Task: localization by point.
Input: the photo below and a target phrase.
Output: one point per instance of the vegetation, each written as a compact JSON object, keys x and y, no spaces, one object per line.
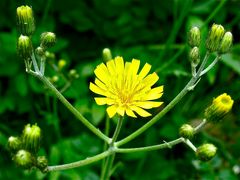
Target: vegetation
{"x":156,"y":33}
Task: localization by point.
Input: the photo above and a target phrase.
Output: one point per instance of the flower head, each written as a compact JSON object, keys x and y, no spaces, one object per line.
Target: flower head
{"x":124,"y":90}
{"x":206,"y":152}
{"x":219,"y":108}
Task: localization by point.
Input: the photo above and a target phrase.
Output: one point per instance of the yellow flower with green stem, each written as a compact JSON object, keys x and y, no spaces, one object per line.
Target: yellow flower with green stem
{"x":124,"y":90}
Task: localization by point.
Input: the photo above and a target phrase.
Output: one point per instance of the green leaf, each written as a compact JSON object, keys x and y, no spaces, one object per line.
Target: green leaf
{"x":232,"y":61}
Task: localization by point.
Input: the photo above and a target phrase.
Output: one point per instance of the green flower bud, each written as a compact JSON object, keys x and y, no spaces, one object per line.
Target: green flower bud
{"x":107,"y":55}
{"x":14,"y":143}
{"x":42,"y":163}
{"x":194,"y":56}
{"x":214,"y":37}
{"x":194,"y":37}
{"x":73,"y":74}
{"x":61,"y":64}
{"x":31,"y":138}
{"x":206,"y":152}
{"x":24,"y":47}
{"x":226,"y":43}
{"x":24,"y":159}
{"x":48,"y":39}
{"x":186,"y":131}
{"x":39,"y":51}
{"x":25,"y":20}
{"x":54,"y":79}
{"x":219,"y":108}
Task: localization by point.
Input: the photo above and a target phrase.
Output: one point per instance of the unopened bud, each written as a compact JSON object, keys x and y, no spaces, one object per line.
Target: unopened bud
{"x":24,"y":47}
{"x":226,"y":43}
{"x":206,"y":152}
{"x":50,"y":56}
{"x":214,"y":37}
{"x":61,"y":64}
{"x":194,"y":56}
{"x":219,"y":108}
{"x":107,"y":55}
{"x":54,"y":79}
{"x":73,"y":74}
{"x":194,"y":37}
{"x":14,"y":143}
{"x":31,"y":138}
{"x":24,"y":159}
{"x":48,"y":39}
{"x":42,"y":163}
{"x":39,"y":51}
{"x":25,"y":20}
{"x":186,"y":131}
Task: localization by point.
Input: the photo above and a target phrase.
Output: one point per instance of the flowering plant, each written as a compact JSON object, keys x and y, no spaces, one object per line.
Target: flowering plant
{"x":126,"y":89}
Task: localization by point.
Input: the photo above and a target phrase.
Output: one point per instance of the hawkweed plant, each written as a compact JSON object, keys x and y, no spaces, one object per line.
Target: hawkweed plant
{"x":125,"y":88}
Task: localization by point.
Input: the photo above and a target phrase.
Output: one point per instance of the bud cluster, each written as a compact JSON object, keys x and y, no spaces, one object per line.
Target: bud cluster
{"x":218,"y":40}
{"x":24,"y":148}
{"x":26,"y":28}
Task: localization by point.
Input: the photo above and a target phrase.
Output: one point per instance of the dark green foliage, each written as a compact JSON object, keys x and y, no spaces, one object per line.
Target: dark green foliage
{"x":152,"y":31}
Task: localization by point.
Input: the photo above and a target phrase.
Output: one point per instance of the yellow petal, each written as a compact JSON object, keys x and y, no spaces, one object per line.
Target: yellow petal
{"x":100,"y":84}
{"x":145,"y":70}
{"x":151,"y":79}
{"x":111,"y":110}
{"x":97,"y":89}
{"x":102,"y":73}
{"x":103,"y":101}
{"x":152,"y":96}
{"x":158,"y":89}
{"x":140,"y":111}
{"x":119,"y":63}
{"x":134,"y":66}
{"x":129,"y":112}
{"x":148,"y":104}
{"x":111,"y":67}
{"x":120,"y":110}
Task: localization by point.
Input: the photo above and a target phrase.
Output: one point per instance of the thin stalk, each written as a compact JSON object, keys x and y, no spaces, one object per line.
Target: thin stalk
{"x":211,"y":65}
{"x":34,"y":61}
{"x":79,"y":163}
{"x":190,"y":85}
{"x":107,"y":129}
{"x":42,"y":66}
{"x":117,"y":130}
{"x":190,"y":144}
{"x":73,"y":110}
{"x":150,"y":148}
{"x":105,"y":175}
{"x":198,"y":128}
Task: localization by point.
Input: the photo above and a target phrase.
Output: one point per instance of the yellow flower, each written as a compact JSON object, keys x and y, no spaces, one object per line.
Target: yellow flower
{"x":125,"y":91}
{"x":219,"y":108}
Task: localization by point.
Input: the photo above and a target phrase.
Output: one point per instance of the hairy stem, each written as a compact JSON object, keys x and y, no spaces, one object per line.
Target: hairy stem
{"x":105,"y":175}
{"x":79,"y":163}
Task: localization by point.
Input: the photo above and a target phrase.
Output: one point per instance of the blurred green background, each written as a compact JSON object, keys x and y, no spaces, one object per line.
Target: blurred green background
{"x":153,"y":31}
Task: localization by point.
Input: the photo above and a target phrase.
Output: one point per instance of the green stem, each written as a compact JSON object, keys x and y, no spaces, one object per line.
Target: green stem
{"x":190,"y":85}
{"x":105,"y":175}
{"x":210,"y":66}
{"x":150,"y":148}
{"x":117,"y":130}
{"x":199,"y":127}
{"x":73,"y":110}
{"x":79,"y":163}
{"x":190,"y":144}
